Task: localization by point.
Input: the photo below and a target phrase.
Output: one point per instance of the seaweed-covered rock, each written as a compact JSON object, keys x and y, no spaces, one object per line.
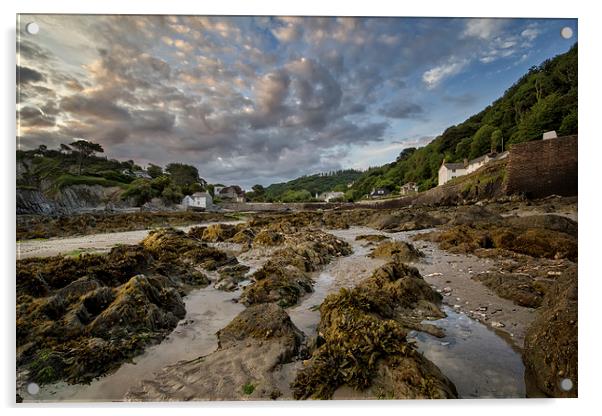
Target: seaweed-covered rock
{"x":267,"y":238}
{"x":277,"y":282}
{"x":364,"y":341}
{"x":149,"y":303}
{"x":550,"y":352}
{"x":219,"y":232}
{"x":251,"y":348}
{"x":284,"y":278}
{"x":549,"y":222}
{"x":471,"y":214}
{"x":521,"y":289}
{"x":535,"y":242}
{"x":372,"y":238}
{"x":127,"y":298}
{"x":405,"y":252}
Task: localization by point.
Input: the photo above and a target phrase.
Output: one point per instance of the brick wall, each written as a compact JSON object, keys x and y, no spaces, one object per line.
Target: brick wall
{"x":543,"y":167}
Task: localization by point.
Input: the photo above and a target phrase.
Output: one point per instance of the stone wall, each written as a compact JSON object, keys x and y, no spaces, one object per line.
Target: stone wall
{"x":543,"y":167}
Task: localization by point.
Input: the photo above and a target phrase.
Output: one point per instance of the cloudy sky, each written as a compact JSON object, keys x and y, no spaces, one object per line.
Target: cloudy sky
{"x":265,"y":99}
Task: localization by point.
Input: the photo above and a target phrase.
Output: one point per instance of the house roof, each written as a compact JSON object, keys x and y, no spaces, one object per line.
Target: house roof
{"x":477,"y":160}
{"x":235,"y":188}
{"x":454,"y":165}
{"x":200,"y":194}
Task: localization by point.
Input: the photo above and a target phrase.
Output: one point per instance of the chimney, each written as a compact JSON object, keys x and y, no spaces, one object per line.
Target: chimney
{"x":465,"y":162}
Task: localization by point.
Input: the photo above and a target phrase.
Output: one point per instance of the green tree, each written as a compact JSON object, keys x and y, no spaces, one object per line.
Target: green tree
{"x":183,"y":175}
{"x":569,"y":124}
{"x":481,"y":142}
{"x":172,"y":194}
{"x":84,"y":150}
{"x":463,"y":148}
{"x":140,"y":191}
{"x":496,"y":141}
{"x":154,"y":171}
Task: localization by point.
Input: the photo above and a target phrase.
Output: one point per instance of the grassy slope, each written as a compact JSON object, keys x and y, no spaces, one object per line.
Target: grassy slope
{"x":543,"y":99}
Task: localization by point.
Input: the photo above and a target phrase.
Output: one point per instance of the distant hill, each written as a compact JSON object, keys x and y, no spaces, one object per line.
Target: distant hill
{"x":306,"y":187}
{"x":543,"y":99}
{"x":50,"y":171}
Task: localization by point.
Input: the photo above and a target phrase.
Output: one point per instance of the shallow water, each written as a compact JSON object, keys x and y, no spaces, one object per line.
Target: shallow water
{"x":477,"y":360}
{"x":341,"y":272}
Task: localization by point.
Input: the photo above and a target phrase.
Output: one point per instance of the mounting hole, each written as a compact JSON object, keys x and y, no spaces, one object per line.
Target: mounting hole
{"x":33,"y":389}
{"x":566,"y":32}
{"x":32,"y":28}
{"x":566,"y":384}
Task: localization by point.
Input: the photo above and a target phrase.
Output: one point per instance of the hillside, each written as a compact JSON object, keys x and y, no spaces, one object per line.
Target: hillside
{"x":49,"y":173}
{"x":543,"y":99}
{"x":306,"y":187}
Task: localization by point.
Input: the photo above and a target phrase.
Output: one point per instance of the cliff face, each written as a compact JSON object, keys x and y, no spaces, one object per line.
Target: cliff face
{"x":69,"y":200}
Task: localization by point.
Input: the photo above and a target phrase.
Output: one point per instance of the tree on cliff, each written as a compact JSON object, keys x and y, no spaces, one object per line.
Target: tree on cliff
{"x":85,"y":149}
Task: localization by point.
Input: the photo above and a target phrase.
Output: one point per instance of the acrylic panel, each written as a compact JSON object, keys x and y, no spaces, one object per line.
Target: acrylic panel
{"x":293,"y":208}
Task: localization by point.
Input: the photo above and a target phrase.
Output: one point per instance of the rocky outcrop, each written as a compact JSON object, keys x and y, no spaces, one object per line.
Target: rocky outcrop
{"x":284,"y":277}
{"x":69,"y":200}
{"x":79,"y":317}
{"x":34,"y":202}
{"x":363,"y":340}
{"x":251,"y":348}
{"x":550,"y":352}
{"x":400,"y":250}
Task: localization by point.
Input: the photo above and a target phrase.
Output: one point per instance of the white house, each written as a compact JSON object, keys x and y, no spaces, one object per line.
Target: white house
{"x":550,"y":135}
{"x":198,"y":200}
{"x":448,"y":171}
{"x":328,"y":196}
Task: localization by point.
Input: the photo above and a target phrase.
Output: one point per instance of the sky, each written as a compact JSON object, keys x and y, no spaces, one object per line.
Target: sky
{"x":252,"y":100}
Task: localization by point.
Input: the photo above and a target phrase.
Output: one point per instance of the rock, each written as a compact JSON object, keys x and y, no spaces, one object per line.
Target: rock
{"x":551,"y":340}
{"x":403,"y":251}
{"x":365,"y":341}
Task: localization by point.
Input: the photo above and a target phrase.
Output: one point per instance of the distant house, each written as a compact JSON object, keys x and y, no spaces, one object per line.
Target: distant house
{"x":549,"y":135}
{"x":232,"y":193}
{"x":379,"y":192}
{"x":448,"y":171}
{"x":328,"y":196}
{"x":408,"y":188}
{"x":142,"y":174}
{"x":198,"y":200}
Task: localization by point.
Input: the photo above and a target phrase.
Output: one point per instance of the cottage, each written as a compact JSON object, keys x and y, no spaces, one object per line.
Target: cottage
{"x":379,"y":192}
{"x":549,"y":135}
{"x":409,"y":188}
{"x":448,"y":171}
{"x":329,"y":196}
{"x":198,"y":201}
{"x":232,"y":193}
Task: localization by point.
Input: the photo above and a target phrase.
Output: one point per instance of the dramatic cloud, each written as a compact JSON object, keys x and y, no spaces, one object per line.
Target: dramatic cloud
{"x":401,"y":109}
{"x":253,"y":99}
{"x":434,"y":76}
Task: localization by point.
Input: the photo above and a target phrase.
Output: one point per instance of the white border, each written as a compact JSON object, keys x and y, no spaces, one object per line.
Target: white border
{"x":590,"y":154}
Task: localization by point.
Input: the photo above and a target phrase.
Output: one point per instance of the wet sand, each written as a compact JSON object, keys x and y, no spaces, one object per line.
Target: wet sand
{"x":95,"y":243}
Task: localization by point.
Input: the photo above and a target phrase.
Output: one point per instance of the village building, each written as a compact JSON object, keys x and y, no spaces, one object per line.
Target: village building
{"x":550,"y":135}
{"x":379,"y":192}
{"x":198,"y":200}
{"x":409,"y":188}
{"x":232,"y":193}
{"x":329,"y":196}
{"x":448,"y":171}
